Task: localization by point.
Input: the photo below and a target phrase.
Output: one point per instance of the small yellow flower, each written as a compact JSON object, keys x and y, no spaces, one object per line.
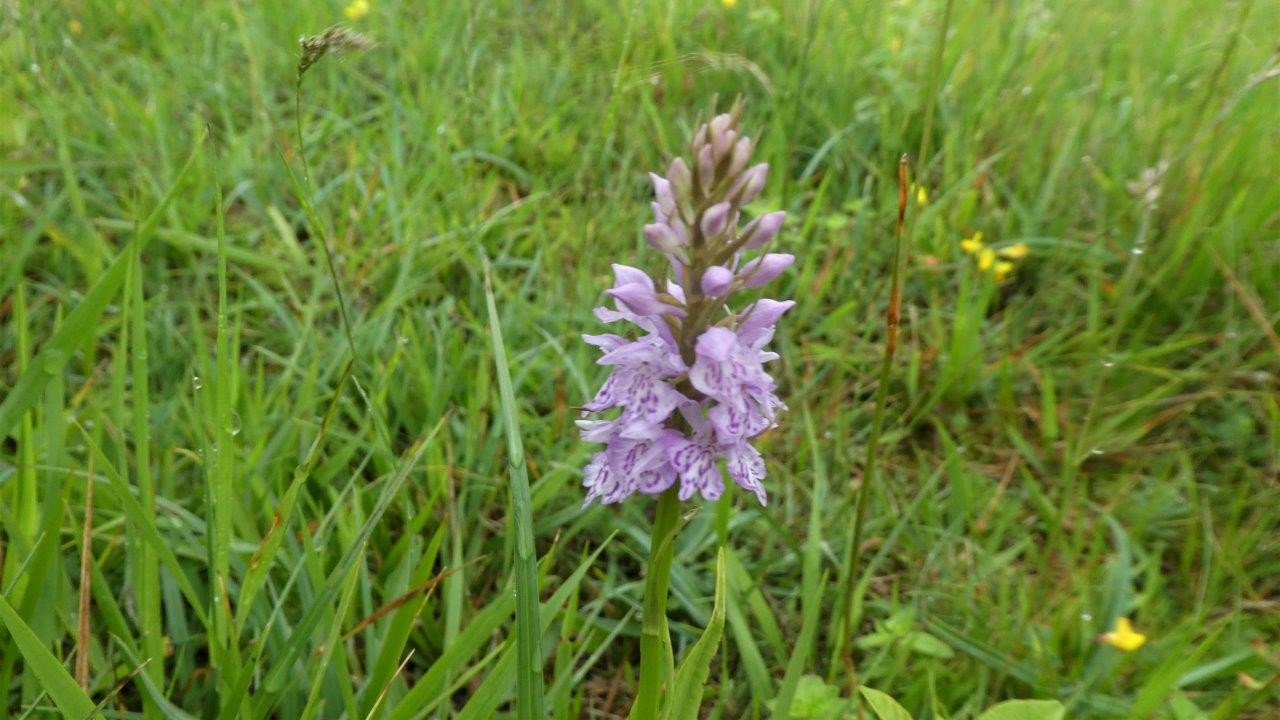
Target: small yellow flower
{"x":356,"y":10}
{"x":922,"y":195}
{"x":973,"y":243}
{"x":1017,"y":251}
{"x":1003,"y":269}
{"x":728,"y":3}
{"x":1124,"y":637}
{"x":986,"y":258}
{"x":75,"y":27}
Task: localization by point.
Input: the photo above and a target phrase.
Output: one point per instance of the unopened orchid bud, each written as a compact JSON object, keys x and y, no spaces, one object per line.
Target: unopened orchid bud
{"x":699,"y":138}
{"x":640,"y":299}
{"x":719,"y":125}
{"x":762,"y":229}
{"x":749,"y":184}
{"x":715,"y":219}
{"x":764,"y":268}
{"x":741,"y":154}
{"x":706,"y":168}
{"x":722,"y":144}
{"x":661,"y":237}
{"x":662,"y":194}
{"x":679,"y":180}
{"x":716,"y":279}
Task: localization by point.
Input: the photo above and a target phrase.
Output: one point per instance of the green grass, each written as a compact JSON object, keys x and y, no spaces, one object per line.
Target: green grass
{"x":302,"y":492}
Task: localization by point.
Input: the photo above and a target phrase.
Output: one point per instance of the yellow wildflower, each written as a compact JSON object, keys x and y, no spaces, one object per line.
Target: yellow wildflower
{"x":986,"y":258}
{"x":356,"y":10}
{"x":973,"y":243}
{"x":1124,"y":637}
{"x":75,"y":27}
{"x":1003,"y":268}
{"x":922,"y":195}
{"x":728,"y":3}
{"x":1017,"y":251}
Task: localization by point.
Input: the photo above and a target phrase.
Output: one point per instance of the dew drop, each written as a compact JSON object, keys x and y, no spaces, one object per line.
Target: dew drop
{"x":1096,"y":451}
{"x":197,"y":382}
{"x":233,"y":423}
{"x":1137,"y":250}
{"x":53,"y":359}
{"x":1086,"y":616}
{"x":1108,"y":363}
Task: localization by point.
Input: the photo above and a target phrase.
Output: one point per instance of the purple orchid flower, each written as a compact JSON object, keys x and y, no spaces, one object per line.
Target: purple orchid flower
{"x":689,"y":392}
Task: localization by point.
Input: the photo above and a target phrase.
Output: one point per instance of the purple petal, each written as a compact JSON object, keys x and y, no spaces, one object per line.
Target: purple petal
{"x":605,"y":341}
{"x":602,"y":483}
{"x":597,"y":431}
{"x":627,"y":275}
{"x":733,"y":424}
{"x":716,"y":279}
{"x":716,"y":344}
{"x":695,"y":463}
{"x":764,"y":268}
{"x":758,"y":319}
{"x":746,"y":468}
{"x":642,"y":300}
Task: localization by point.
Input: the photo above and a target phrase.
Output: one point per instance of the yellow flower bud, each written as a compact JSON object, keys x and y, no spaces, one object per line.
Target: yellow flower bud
{"x":973,"y":243}
{"x":1003,"y":269}
{"x":1017,"y":251}
{"x":986,"y":258}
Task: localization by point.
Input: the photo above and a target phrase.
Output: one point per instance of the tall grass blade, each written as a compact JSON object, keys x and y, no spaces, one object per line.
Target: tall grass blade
{"x":529,"y":689}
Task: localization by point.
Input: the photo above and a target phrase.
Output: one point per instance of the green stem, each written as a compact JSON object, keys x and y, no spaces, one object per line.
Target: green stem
{"x":656,"y":661}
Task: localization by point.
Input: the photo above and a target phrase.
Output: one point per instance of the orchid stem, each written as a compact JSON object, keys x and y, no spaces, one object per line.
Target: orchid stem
{"x":656,"y":661}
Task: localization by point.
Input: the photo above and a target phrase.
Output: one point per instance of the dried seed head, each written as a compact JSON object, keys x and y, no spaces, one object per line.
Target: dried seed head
{"x":336,"y":39}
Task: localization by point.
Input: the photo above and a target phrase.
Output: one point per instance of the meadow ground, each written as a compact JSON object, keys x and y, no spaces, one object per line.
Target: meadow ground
{"x":277,"y":531}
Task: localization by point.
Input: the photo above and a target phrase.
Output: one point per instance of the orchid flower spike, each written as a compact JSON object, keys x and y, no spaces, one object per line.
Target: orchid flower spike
{"x":688,"y":390}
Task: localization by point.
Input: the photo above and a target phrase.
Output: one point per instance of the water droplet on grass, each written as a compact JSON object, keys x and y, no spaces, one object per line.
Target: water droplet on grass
{"x":1095,"y":451}
{"x":233,"y":423}
{"x":197,"y":382}
{"x":1137,"y":250}
{"x":1086,"y":616}
{"x":53,"y":359}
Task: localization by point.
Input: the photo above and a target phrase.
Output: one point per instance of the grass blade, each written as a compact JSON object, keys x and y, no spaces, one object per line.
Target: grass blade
{"x":57,"y":682}
{"x":81,"y":322}
{"x":529,"y":690}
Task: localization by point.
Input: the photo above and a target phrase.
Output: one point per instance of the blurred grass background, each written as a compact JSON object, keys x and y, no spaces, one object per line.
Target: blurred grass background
{"x":277,"y":532}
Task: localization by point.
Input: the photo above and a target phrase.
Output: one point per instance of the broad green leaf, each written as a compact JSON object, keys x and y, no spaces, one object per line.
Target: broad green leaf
{"x":53,"y":677}
{"x":885,"y":707}
{"x":1026,"y":710}
{"x":691,"y":676}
